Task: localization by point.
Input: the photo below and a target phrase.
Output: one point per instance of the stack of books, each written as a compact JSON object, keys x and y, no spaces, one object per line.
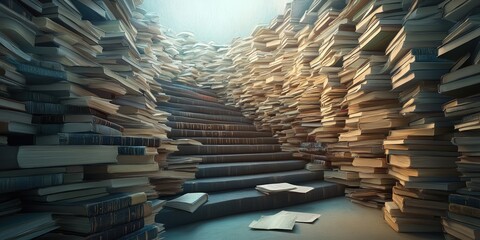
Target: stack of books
{"x":461,"y":46}
{"x":372,"y":108}
{"x":315,"y":153}
{"x":421,"y":155}
{"x":78,"y":101}
{"x":110,"y":217}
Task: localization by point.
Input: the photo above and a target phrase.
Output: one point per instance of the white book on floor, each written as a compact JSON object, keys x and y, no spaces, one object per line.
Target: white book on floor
{"x":301,"y":217}
{"x":275,"y":187}
{"x":301,"y":189}
{"x":282,"y":187}
{"x":274,"y":222}
{"x":188,"y":202}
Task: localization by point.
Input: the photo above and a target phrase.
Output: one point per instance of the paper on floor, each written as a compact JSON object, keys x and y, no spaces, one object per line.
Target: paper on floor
{"x":274,"y":222}
{"x":282,"y":187}
{"x":301,"y":217}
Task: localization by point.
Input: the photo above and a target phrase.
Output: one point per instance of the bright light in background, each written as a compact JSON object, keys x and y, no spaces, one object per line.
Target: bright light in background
{"x":215,"y":20}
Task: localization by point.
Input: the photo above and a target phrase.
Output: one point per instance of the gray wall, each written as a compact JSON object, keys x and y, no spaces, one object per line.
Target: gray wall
{"x":215,"y":20}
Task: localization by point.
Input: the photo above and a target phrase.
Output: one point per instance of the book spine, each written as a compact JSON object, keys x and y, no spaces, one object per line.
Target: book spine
{"x":122,"y":216}
{"x":118,"y":231}
{"x":146,"y":233}
{"x":57,"y":119}
{"x":34,"y":97}
{"x":464,"y":210}
{"x":426,"y":58}
{"x":48,"y":119}
{"x":424,"y":51}
{"x":108,"y":205}
{"x":132,"y":150}
{"x":13,"y":184}
{"x":101,"y":121}
{"x":34,"y":71}
{"x":59,"y":109}
{"x":93,"y":139}
{"x":464,"y":200}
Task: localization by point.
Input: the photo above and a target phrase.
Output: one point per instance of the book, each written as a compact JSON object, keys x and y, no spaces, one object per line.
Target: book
{"x":94,"y":139}
{"x":19,"y":183}
{"x":464,"y":200}
{"x":92,"y":207}
{"x":50,"y":156}
{"x":102,"y":222}
{"x":188,"y":202}
{"x":275,"y":187}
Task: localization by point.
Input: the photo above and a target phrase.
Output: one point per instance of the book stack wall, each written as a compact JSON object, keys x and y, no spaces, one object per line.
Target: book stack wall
{"x":372,"y":108}
{"x":84,"y":82}
{"x":259,"y":92}
{"x":15,"y":121}
{"x":421,"y":155}
{"x":137,"y":108}
{"x":461,"y":46}
{"x":289,"y":60}
{"x":330,"y":118}
{"x":335,"y":38}
{"x":237,"y":54}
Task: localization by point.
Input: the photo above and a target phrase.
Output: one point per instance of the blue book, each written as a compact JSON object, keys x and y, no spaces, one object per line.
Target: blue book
{"x":464,"y":200}
{"x":95,"y":139}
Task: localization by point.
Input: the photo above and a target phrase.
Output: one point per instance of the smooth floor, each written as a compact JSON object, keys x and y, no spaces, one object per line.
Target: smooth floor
{"x":340,"y":219}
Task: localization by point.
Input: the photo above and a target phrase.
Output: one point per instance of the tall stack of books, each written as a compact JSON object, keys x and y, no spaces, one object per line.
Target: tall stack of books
{"x":461,"y":45}
{"x":372,"y":108}
{"x":421,"y":155}
{"x":262,"y":100}
{"x":289,"y":62}
{"x":79,"y":115}
{"x":237,"y":52}
{"x":332,"y":117}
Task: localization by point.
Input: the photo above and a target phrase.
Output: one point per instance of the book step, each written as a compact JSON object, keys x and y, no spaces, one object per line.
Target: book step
{"x":179,"y":113}
{"x":248,"y":157}
{"x":218,"y":127}
{"x":205,"y":133}
{"x":233,"y":141}
{"x":196,"y":102}
{"x":196,"y":89}
{"x":190,"y":94}
{"x":204,"y":121}
{"x":226,"y":149}
{"x":222,"y":204}
{"x":245,"y":168}
{"x":237,"y":182}
{"x":198,"y":109}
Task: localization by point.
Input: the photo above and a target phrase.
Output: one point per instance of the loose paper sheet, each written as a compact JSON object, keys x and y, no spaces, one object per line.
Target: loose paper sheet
{"x":301,"y":217}
{"x":277,"y":222}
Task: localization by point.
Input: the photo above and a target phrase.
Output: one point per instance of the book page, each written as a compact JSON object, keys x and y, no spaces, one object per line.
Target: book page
{"x":277,"y":221}
{"x":301,"y":217}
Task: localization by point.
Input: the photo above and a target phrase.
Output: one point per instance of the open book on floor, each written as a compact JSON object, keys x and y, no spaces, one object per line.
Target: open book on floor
{"x":282,"y":187}
{"x":188,"y":202}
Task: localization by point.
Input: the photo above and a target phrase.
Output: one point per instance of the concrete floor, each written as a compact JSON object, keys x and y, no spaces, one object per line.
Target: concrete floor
{"x":340,"y":219}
